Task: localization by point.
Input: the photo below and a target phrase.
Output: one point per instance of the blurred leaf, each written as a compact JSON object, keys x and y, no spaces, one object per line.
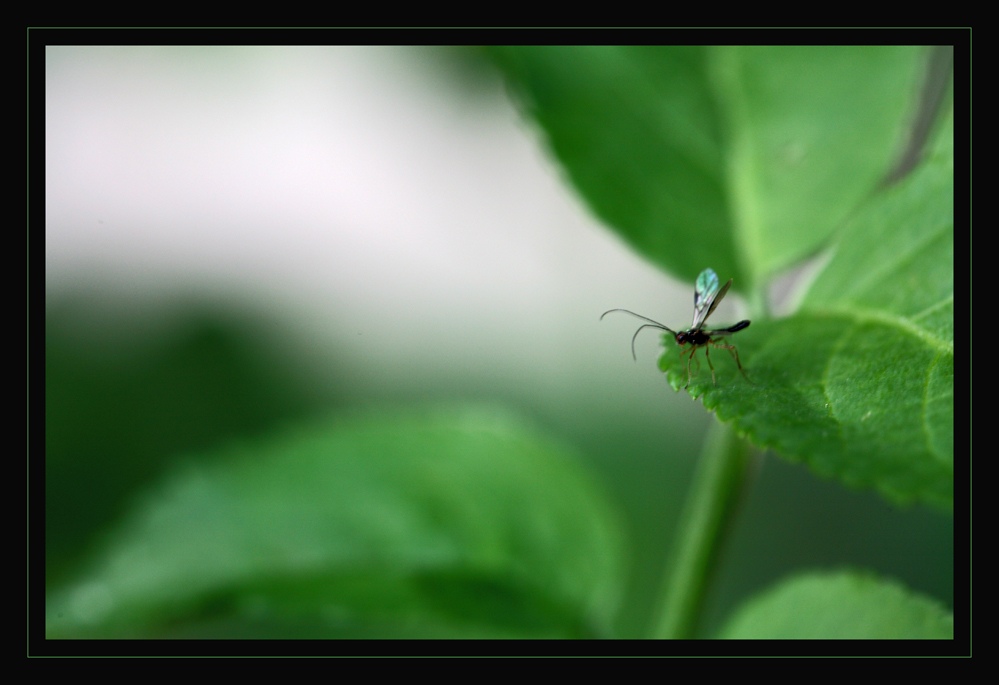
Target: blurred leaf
{"x":896,"y":257}
{"x":859,"y":383}
{"x":422,"y":524}
{"x":744,"y":159}
{"x":130,"y":383}
{"x":842,"y":605}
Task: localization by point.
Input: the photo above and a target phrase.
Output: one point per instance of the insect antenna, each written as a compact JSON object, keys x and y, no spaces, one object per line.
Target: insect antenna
{"x":651,"y":324}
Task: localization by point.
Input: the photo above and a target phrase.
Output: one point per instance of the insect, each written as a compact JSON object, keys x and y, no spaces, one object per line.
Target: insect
{"x":707,"y":295}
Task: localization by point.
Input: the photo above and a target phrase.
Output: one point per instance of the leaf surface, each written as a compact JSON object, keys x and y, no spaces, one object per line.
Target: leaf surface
{"x":841,"y":605}
{"x":859,"y":383}
{"x":744,"y":159}
{"x":441,"y":523}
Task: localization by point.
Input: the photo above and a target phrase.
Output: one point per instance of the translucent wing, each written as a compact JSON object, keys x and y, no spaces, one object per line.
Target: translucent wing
{"x":707,"y":295}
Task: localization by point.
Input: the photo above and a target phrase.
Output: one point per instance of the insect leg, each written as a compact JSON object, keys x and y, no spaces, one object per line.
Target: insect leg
{"x":735,"y":355}
{"x":690,"y":358}
{"x":707,"y":355}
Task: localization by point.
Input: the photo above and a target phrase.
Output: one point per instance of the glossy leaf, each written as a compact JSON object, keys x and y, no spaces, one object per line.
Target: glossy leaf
{"x":842,"y":605}
{"x":441,"y":523}
{"x":859,"y":383}
{"x":744,"y":159}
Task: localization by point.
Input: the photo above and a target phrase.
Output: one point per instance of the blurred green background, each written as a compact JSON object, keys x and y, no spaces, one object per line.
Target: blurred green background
{"x":241,"y":239}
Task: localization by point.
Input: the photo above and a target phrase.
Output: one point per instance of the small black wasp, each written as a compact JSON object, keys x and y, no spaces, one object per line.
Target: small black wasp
{"x":707,"y":295}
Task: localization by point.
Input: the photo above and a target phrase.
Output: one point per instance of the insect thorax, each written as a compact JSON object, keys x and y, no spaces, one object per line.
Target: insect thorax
{"x":692,"y":338}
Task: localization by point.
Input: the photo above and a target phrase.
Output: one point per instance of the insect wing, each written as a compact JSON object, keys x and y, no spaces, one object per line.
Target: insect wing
{"x":707,"y":295}
{"x":705,"y":289}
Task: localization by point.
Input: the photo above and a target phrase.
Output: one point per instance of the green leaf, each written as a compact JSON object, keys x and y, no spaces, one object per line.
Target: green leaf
{"x":841,"y":605}
{"x":747,"y":159}
{"x":859,"y":383}
{"x":744,"y":159}
{"x":438,"y":523}
{"x":895,"y":259}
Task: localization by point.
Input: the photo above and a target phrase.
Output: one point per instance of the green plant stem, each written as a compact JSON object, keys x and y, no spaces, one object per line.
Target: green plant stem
{"x":720,"y":473}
